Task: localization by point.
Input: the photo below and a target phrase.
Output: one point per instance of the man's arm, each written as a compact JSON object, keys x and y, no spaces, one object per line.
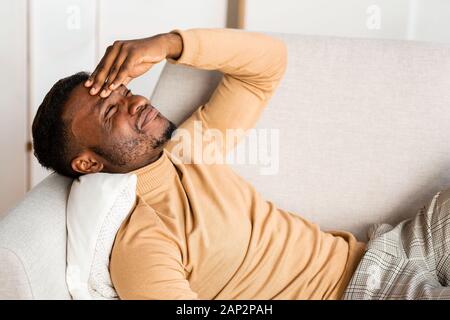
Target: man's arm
{"x":253,"y":65}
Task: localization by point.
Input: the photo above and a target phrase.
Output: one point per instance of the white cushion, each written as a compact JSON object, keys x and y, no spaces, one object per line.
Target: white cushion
{"x":97,"y":206}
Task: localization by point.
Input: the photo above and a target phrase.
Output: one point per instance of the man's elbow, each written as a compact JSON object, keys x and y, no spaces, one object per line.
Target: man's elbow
{"x":274,"y":74}
{"x":281,"y":58}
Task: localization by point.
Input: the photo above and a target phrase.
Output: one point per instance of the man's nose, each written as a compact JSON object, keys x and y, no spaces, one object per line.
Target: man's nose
{"x":135,"y":104}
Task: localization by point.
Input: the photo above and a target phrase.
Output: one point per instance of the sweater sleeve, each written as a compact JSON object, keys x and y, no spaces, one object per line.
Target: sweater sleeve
{"x":146,"y":261}
{"x":253,"y":65}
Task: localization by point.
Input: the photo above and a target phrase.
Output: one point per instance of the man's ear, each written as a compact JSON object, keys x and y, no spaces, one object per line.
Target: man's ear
{"x":87,"y":162}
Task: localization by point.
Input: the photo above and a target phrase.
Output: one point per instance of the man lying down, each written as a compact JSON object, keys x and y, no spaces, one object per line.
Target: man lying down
{"x":198,"y":230}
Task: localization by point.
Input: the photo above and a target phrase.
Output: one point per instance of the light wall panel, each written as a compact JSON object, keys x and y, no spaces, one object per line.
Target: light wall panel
{"x":13,"y":102}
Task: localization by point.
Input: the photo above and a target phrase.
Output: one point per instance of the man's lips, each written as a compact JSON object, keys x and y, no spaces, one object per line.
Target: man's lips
{"x":146,"y":116}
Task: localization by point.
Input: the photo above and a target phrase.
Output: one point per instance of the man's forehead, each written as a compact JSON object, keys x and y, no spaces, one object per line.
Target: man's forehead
{"x":79,"y":113}
{"x":80,"y":102}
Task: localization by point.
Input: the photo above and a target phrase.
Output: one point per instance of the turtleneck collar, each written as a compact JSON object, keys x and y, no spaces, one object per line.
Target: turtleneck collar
{"x":153,"y":174}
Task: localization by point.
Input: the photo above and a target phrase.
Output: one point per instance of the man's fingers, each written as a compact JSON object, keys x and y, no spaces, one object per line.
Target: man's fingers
{"x":101,"y":72}
{"x":89,"y":82}
{"x":125,"y":83}
{"x":111,"y":85}
{"x":123,"y":74}
{"x":103,"y":69}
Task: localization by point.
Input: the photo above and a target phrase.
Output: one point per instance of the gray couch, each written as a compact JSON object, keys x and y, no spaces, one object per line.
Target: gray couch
{"x":364,"y":127}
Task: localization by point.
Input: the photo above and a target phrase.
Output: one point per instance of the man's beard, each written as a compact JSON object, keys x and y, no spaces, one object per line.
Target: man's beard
{"x":124,"y":153}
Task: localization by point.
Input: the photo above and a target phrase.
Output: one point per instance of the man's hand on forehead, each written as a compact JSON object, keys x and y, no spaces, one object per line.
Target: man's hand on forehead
{"x":125,"y":60}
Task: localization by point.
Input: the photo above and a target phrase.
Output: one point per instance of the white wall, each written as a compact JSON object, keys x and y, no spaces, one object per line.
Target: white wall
{"x":426,"y":20}
{"x":429,"y":20}
{"x":13,"y":103}
{"x":143,"y":18}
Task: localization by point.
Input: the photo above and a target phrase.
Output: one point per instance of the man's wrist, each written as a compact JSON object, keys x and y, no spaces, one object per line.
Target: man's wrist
{"x":174,"y":45}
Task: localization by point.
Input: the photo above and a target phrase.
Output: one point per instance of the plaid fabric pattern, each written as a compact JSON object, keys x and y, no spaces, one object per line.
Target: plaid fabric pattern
{"x":410,"y":261}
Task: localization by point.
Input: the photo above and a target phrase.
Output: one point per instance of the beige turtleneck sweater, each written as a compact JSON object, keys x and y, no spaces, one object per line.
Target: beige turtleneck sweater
{"x":201,"y":231}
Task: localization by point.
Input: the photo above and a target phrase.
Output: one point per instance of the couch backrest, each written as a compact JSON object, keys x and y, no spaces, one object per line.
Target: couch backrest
{"x":363,"y":125}
{"x":363,"y":128}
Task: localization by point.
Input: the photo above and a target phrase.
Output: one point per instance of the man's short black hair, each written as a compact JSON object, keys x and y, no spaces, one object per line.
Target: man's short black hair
{"x":50,"y":134}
